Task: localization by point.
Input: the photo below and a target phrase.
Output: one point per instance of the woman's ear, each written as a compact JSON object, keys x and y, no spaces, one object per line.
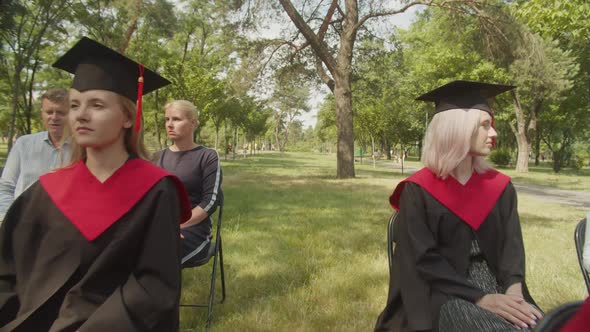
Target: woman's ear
{"x":128,"y":123}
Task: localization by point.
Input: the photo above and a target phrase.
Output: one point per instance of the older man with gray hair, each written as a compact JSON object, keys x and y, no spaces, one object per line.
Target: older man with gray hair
{"x":36,"y":154}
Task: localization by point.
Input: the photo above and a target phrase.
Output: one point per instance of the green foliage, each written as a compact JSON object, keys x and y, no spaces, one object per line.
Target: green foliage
{"x":577,"y":162}
{"x":567,"y":20}
{"x":500,"y":157}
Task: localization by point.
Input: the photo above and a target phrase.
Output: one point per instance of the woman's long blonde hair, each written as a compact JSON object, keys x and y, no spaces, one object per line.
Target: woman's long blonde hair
{"x":133,"y":140}
{"x":448,"y":141}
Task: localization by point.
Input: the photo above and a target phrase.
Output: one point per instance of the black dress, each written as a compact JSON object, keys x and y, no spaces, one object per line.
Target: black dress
{"x":52,"y":278}
{"x":432,"y":258}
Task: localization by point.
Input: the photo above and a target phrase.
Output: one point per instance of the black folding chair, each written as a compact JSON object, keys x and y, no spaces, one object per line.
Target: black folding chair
{"x":558,"y":317}
{"x":215,"y":252}
{"x":390,"y":239}
{"x":579,"y":237}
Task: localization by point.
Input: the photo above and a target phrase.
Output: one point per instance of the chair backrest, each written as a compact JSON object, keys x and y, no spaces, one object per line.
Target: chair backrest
{"x":219,"y":218}
{"x":579,"y":238}
{"x":558,"y":317}
{"x":390,"y":239}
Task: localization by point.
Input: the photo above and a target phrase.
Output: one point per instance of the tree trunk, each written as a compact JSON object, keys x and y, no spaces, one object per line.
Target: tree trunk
{"x":344,"y":126}
{"x":341,"y":71}
{"x":16,"y":82}
{"x":557,"y":156}
{"x":225,"y":148}
{"x":235,"y":142}
{"x":537,"y":147}
{"x":277,"y":135}
{"x":157,"y":122}
{"x":373,"y":149}
{"x":216,"y":136}
{"x":522,"y":160}
{"x":387,"y":147}
{"x":402,"y":157}
{"x":131,"y":27}
{"x":29,"y":102}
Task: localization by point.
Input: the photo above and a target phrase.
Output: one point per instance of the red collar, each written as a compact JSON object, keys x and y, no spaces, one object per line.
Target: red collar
{"x":580,"y":321}
{"x":471,"y":202}
{"x":93,"y":206}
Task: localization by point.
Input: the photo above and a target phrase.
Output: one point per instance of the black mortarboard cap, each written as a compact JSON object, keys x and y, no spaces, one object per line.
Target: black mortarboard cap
{"x":464,"y":94}
{"x":97,"y":67}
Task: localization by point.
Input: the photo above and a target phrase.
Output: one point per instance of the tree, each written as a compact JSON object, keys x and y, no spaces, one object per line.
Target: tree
{"x":567,"y":22}
{"x":543,"y":72}
{"x":330,"y":30}
{"x":289,"y":100}
{"x":24,"y":37}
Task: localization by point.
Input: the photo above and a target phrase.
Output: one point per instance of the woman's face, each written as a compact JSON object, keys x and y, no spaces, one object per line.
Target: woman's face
{"x":97,"y":118}
{"x":178,"y":124}
{"x":481,"y":143}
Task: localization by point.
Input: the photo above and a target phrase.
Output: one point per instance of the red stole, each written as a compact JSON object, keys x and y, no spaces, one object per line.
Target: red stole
{"x":471,"y":202}
{"x":93,"y":206}
{"x":580,"y":321}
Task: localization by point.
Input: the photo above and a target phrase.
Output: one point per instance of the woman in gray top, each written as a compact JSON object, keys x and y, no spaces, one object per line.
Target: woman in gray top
{"x":199,"y":169}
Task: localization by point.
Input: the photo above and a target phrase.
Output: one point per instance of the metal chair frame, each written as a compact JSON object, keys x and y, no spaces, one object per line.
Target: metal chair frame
{"x":215,"y":252}
{"x":579,"y":238}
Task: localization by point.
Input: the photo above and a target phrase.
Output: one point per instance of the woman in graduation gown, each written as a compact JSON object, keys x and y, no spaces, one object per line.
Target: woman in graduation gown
{"x":459,"y":262}
{"x":95,"y":246}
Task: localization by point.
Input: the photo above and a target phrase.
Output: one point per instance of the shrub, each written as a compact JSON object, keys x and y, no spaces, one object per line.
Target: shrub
{"x":500,"y":157}
{"x":576,"y":162}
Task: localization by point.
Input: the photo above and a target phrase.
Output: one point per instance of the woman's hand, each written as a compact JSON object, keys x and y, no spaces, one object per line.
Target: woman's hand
{"x":513,"y":308}
{"x":515,"y":289}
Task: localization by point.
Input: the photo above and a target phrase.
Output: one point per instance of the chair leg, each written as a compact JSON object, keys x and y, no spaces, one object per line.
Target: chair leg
{"x":212,"y":291}
{"x":222,"y":273}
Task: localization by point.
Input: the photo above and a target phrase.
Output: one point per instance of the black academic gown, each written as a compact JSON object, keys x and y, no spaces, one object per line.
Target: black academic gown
{"x":127,"y":279}
{"x":431,"y":258}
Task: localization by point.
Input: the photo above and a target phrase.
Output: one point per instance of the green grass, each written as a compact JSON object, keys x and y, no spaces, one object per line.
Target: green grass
{"x":306,"y":252}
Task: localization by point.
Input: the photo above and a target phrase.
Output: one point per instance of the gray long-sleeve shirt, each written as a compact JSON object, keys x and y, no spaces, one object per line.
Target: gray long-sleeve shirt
{"x":31,"y":156}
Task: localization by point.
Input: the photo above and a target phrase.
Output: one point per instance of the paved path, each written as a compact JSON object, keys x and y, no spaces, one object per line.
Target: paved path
{"x":579,"y":199}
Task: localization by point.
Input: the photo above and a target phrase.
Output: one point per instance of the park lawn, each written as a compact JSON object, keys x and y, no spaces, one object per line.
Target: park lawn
{"x":306,"y":252}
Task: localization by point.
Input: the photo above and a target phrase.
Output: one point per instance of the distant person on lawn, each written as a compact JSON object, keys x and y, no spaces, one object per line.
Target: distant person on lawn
{"x":199,"y":169}
{"x":459,"y":261}
{"x":36,"y":154}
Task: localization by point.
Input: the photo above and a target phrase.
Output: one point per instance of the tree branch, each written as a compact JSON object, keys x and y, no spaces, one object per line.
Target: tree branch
{"x":327,"y":19}
{"x":323,"y":75}
{"x":390,"y":12}
{"x":316,"y":43}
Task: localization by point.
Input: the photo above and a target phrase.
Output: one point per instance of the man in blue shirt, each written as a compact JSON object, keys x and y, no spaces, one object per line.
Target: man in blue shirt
{"x":36,"y":154}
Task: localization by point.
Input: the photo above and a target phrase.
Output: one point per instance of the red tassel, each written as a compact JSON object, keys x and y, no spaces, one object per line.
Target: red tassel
{"x":139,"y":98}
